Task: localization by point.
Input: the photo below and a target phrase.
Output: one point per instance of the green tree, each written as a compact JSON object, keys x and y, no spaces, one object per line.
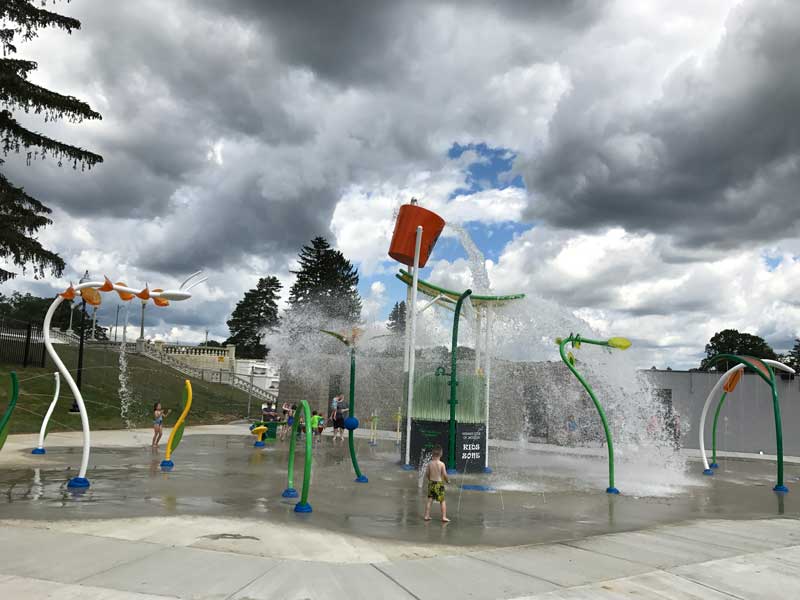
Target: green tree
{"x":22,"y":216}
{"x":397,"y":318}
{"x":730,"y":341}
{"x":792,"y":358}
{"x":27,"y":307}
{"x":255,"y":314}
{"x":327,"y":284}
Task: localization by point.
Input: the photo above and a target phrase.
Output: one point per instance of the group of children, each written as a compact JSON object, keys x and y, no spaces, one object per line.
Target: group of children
{"x":290,"y":413}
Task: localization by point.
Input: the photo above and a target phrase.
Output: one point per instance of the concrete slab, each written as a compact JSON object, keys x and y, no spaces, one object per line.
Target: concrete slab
{"x":462,"y":577}
{"x":777,"y":532}
{"x":754,"y":576}
{"x":700,"y":533}
{"x":653,"y":548}
{"x":186,"y":573}
{"x":25,"y":588}
{"x":657,"y":585}
{"x":64,"y":557}
{"x":562,"y":565}
{"x":323,"y":581}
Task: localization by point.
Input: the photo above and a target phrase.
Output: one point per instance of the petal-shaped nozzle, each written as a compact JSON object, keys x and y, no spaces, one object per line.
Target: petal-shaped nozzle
{"x":69,"y":293}
{"x":107,"y":285}
{"x":620,"y":343}
{"x":158,"y":300}
{"x":558,"y":341}
{"x":144,"y":294}
{"x":571,"y":358}
{"x":91,"y":295}
{"x":124,"y":296}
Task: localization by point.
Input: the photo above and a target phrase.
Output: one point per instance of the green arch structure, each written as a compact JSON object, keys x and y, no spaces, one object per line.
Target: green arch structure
{"x":290,"y":492}
{"x":12,"y":403}
{"x":569,"y":360}
{"x":767,"y":373}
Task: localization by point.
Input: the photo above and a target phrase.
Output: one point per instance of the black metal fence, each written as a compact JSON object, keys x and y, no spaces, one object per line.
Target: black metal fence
{"x":21,"y":343}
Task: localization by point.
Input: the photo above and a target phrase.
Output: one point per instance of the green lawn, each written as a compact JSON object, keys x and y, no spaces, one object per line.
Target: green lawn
{"x":149,"y":382}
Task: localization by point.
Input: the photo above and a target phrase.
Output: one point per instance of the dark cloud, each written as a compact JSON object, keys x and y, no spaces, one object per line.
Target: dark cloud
{"x":714,"y":161}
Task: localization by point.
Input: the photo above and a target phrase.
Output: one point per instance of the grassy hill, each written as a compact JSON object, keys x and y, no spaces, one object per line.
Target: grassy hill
{"x":148,"y":382}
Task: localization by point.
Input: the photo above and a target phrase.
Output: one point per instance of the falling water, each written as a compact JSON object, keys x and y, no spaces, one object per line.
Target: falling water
{"x":476,"y":260}
{"x":125,"y":394}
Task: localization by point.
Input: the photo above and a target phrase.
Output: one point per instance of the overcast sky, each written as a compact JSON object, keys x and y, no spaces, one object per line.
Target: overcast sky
{"x":636,"y":162}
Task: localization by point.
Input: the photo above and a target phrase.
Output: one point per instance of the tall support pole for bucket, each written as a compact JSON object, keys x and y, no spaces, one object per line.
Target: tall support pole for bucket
{"x":412,"y":346}
{"x":488,"y":387}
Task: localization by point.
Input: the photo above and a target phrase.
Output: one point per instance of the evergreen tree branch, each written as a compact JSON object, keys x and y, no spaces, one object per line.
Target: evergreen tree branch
{"x":15,"y":137}
{"x":16,"y":91}
{"x":29,"y":19}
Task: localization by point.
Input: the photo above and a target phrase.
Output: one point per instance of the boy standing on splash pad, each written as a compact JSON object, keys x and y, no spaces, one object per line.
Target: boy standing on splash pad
{"x":436,"y":473}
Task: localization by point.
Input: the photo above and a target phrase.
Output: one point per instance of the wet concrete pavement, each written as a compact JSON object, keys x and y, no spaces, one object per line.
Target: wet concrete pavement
{"x":217,"y":527}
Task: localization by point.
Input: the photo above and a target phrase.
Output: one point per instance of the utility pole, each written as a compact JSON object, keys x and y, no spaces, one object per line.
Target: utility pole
{"x":206,"y":344}
{"x":116,"y":324}
{"x":94,"y":324}
{"x":141,"y":327}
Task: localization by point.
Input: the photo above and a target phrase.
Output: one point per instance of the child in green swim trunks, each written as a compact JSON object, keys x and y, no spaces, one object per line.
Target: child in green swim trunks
{"x":436,"y":473}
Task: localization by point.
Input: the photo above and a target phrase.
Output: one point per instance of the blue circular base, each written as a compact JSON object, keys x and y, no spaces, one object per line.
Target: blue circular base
{"x":781,"y":489}
{"x":167,"y":464}
{"x":38,"y":451}
{"x":361,"y":479}
{"x":302,"y":507}
{"x":452,"y":471}
{"x":612,"y":490}
{"x":351,"y":423}
{"x":78,"y":482}
{"x":409,"y":468}
{"x":487,"y":470}
{"x":290,"y":493}
{"x":714,"y":466}
{"x":708,"y":471}
{"x":259,"y":444}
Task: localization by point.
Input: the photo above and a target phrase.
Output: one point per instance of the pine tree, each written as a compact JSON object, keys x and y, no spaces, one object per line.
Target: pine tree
{"x":327,"y":283}
{"x":255,"y":314}
{"x":397,"y":318}
{"x":22,"y":216}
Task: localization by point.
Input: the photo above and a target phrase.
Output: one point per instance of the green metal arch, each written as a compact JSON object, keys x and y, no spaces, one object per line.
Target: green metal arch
{"x":290,"y":492}
{"x":12,"y":403}
{"x":769,"y":378}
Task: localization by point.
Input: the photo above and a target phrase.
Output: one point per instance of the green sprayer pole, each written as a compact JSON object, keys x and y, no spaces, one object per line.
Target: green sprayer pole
{"x":360,"y":478}
{"x":611,"y":489}
{"x":776,"y":408}
{"x":303,"y":506}
{"x":451,"y":454}
{"x":714,"y":464}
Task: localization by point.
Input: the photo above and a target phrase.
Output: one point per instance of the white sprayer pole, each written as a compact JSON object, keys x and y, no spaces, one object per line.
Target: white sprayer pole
{"x":488,"y":387}
{"x":412,"y":342}
{"x":76,"y":393}
{"x":49,"y":413}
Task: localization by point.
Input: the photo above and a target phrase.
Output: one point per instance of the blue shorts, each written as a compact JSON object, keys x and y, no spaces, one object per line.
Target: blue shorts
{"x":290,"y":421}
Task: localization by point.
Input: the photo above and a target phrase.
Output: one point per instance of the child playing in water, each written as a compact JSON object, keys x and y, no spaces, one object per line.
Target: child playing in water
{"x":158,"y":423}
{"x":436,"y":474}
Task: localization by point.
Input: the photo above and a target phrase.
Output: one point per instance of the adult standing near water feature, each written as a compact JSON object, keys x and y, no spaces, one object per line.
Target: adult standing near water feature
{"x":338,"y":416}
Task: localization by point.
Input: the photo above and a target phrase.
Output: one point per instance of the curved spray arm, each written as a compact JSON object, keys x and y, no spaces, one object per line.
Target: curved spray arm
{"x":176,"y":434}
{"x":43,"y":431}
{"x":303,"y":506}
{"x":569,"y":360}
{"x":5,"y":420}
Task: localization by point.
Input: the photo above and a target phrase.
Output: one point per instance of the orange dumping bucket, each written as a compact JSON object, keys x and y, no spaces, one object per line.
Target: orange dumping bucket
{"x":405,"y":234}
